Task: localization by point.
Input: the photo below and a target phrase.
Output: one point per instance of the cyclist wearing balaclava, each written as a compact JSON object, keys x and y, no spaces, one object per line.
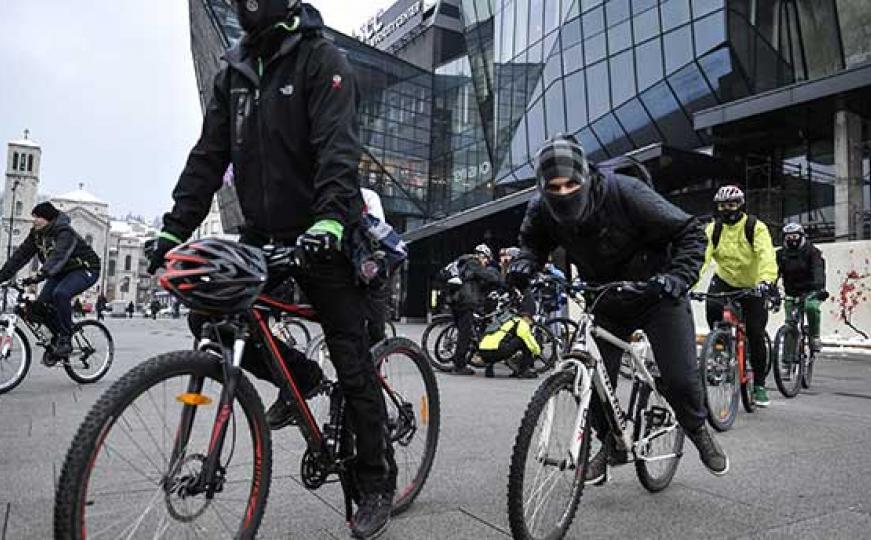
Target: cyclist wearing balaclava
{"x":741,"y":246}
{"x":283,"y":112}
{"x":803,"y":269}
{"x":616,"y":228}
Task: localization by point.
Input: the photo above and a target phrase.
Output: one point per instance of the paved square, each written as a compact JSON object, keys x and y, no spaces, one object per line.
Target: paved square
{"x":801,"y":468}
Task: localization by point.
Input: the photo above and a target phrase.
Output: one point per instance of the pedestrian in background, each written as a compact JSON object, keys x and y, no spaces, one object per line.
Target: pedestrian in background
{"x":101,"y":306}
{"x":131,"y":307}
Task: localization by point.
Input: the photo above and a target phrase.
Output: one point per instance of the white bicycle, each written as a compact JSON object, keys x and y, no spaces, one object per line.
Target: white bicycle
{"x":553,"y":444}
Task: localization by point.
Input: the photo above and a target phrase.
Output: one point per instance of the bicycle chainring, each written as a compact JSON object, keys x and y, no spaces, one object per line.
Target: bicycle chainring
{"x":312,"y":470}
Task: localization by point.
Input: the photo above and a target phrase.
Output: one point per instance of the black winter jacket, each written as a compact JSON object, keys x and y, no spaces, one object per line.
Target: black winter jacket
{"x":803,"y":270}
{"x":478,"y":281}
{"x":59,"y":248}
{"x":633,"y":234}
{"x":288,"y":124}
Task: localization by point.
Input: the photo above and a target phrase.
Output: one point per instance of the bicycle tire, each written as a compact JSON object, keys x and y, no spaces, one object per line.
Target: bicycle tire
{"x":718,"y":343}
{"x":442,"y":356}
{"x":655,"y":483}
{"x":430,"y":334}
{"x":769,"y":348}
{"x":429,"y":412}
{"x":566,"y":333}
{"x":282,"y":330}
{"x":27,"y":358}
{"x":789,"y":387}
{"x":550,"y":349}
{"x":561,"y":380}
{"x":808,"y":374}
{"x":390,"y":329}
{"x":71,"y":366}
{"x":71,"y":495}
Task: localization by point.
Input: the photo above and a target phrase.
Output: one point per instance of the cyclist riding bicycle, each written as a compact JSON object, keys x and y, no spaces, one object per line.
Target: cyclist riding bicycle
{"x":616,"y":228}
{"x":803,"y":269}
{"x":508,"y":335}
{"x":283,"y":112}
{"x":741,"y":246}
{"x":69,"y":267}
{"x":477,"y":278}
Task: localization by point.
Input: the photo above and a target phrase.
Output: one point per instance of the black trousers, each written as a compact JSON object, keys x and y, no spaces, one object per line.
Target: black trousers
{"x":755,"y":318}
{"x":377,"y":297}
{"x":465,"y":321}
{"x":508,"y":348}
{"x":670,"y":329}
{"x":340,"y":305}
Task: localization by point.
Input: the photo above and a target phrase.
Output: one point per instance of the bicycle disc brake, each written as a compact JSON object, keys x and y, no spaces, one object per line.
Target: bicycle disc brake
{"x":183,"y":484}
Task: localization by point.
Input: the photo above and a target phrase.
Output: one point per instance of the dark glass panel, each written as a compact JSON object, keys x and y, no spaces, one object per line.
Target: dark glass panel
{"x":637,"y":123}
{"x":710,"y":32}
{"x":576,"y":101}
{"x":667,"y":114}
{"x":648,"y":58}
{"x":678,"y":48}
{"x":555,"y":108}
{"x":612,"y":136}
{"x":691,"y":89}
{"x":598,"y":89}
{"x":622,"y":77}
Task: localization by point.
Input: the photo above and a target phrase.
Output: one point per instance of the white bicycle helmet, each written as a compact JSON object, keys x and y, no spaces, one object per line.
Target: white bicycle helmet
{"x":729,"y":194}
{"x":482,"y":249}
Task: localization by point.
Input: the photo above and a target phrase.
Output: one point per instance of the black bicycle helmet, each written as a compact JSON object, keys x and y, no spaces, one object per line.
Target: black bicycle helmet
{"x":215,"y":276}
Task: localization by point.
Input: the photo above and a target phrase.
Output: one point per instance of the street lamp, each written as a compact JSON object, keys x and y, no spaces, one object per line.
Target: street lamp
{"x":12,"y":219}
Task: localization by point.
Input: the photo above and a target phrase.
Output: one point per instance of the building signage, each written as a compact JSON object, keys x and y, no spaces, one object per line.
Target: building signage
{"x":375,"y":30}
{"x":472,"y":172}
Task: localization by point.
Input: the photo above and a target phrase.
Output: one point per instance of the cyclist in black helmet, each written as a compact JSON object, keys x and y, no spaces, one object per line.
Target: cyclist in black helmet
{"x":616,"y":228}
{"x":283,"y":112}
{"x":803,"y":269}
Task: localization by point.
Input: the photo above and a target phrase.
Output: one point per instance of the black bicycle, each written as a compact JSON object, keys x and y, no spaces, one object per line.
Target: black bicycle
{"x":180,"y":447}
{"x":93,"y":346}
{"x":793,"y":354}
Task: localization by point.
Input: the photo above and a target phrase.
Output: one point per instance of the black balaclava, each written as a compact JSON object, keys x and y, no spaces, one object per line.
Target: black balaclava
{"x":258,"y":16}
{"x":731,"y":217}
{"x":795,"y":244}
{"x":562,"y":156}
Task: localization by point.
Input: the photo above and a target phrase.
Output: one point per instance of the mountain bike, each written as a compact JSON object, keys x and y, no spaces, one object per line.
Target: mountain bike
{"x":793,"y":355}
{"x":724,"y":361}
{"x":553,"y":443}
{"x":93,"y":346}
{"x":180,"y":447}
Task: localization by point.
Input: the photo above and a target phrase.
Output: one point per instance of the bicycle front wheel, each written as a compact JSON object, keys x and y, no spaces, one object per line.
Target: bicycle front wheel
{"x":15,"y":357}
{"x":411,"y":396}
{"x":93,"y":352}
{"x":135,"y":466}
{"x":662,"y":440}
{"x":808,"y":375}
{"x":787,"y":360}
{"x":439,"y":343}
{"x":718,"y":368}
{"x":544,"y":484}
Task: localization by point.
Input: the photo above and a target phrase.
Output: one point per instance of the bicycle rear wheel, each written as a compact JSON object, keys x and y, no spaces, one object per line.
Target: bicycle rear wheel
{"x":413,"y":414}
{"x":550,"y":349}
{"x":808,"y":374}
{"x":655,"y":419}
{"x":292,"y":332}
{"x":719,"y":372}
{"x":563,"y":330}
{"x":788,"y":360}
{"x":15,"y":358}
{"x":444,"y":347}
{"x":93,"y":352}
{"x":124,"y":476}
{"x":544,"y":487}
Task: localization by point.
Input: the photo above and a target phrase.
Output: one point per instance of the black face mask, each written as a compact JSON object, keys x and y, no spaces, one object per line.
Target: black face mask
{"x":730,"y":217}
{"x":570,"y":208}
{"x":794,"y":243}
{"x":255,"y":16}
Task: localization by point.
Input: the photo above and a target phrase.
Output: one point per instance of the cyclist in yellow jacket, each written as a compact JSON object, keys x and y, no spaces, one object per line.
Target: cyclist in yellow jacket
{"x":741,"y":246}
{"x":506,"y":337}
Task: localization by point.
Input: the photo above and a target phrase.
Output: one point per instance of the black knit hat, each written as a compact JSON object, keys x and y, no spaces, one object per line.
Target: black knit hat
{"x":46,"y":210}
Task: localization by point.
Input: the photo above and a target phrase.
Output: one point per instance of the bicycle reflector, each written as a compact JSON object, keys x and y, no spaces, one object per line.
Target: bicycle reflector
{"x":193,"y":399}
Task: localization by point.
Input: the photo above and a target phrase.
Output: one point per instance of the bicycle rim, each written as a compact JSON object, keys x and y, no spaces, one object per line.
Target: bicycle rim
{"x":93,"y":352}
{"x":719,"y":371}
{"x":121,"y":479}
{"x":656,"y":420}
{"x":15,"y":363}
{"x":445,"y":347}
{"x":787,"y":361}
{"x":413,"y":415}
{"x":544,"y":486}
{"x":550,"y":349}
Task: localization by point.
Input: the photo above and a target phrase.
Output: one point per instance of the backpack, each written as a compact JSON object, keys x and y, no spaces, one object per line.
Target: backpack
{"x":376,"y":250}
{"x":498,"y":321}
{"x":749,"y":230}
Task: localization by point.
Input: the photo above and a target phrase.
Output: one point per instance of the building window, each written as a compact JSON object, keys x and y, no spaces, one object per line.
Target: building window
{"x":19,"y":208}
{"x":128,"y":263}
{"x":15,"y":161}
{"x":22,"y":162}
{"x":125,"y":285}
{"x":111,"y":268}
{"x":30,"y":163}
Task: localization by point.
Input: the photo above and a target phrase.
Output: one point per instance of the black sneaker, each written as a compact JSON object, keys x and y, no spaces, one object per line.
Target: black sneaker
{"x":465,"y":370}
{"x":64,"y":347}
{"x":712,"y":455}
{"x":527,"y":374}
{"x":282,"y":414}
{"x":373,"y":515}
{"x":488,"y":371}
{"x":597,"y":469}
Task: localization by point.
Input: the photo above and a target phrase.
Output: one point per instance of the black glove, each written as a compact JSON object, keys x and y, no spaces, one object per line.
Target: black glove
{"x":156,"y":251}
{"x":667,"y":285}
{"x":34,"y":279}
{"x":767,"y":289}
{"x":822,"y":296}
{"x":318,"y":245}
{"x":520,"y":272}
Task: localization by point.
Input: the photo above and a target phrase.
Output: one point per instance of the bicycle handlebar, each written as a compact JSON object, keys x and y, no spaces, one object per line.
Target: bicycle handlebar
{"x":740,"y":293}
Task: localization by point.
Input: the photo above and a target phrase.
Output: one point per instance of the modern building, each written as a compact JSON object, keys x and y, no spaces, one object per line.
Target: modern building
{"x":458,"y":95}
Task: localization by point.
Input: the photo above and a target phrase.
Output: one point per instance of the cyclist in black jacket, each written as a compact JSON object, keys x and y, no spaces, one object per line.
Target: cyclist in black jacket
{"x":478,"y":279}
{"x":283,"y":112}
{"x":803,"y":269}
{"x":616,"y":228}
{"x":69,"y":267}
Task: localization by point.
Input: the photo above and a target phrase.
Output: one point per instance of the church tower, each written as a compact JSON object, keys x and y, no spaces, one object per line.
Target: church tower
{"x":20,"y":194}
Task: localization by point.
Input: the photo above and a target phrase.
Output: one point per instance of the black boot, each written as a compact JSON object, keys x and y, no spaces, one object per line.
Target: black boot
{"x":373,"y":515}
{"x":64,"y":347}
{"x":282,"y":414}
{"x":712,"y":455}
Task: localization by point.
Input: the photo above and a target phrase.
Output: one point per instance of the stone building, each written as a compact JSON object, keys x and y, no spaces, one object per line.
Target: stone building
{"x":23,"y":158}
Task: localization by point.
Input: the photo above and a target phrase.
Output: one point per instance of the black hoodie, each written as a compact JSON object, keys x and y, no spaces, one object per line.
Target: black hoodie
{"x":59,"y":248}
{"x":288,"y":124}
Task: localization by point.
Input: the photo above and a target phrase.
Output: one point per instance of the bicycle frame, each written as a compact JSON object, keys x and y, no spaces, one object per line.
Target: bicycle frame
{"x":732,"y":320}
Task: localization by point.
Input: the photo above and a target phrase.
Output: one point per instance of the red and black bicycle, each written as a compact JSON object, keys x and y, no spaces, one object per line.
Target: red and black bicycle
{"x":179,"y":447}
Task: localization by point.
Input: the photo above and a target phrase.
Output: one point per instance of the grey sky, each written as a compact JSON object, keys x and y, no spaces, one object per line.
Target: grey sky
{"x":107,"y":88}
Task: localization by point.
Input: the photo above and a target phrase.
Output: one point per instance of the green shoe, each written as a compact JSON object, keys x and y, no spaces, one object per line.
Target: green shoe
{"x":760,"y":396}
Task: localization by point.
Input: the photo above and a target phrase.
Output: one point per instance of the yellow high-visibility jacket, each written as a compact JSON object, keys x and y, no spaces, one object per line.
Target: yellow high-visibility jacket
{"x":492,"y":340}
{"x":738,"y":263}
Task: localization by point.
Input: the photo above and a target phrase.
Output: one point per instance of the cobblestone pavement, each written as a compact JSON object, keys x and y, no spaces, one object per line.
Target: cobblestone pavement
{"x":801,"y":468}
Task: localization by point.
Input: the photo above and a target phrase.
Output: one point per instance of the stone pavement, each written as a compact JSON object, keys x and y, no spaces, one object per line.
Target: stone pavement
{"x":801,"y":468}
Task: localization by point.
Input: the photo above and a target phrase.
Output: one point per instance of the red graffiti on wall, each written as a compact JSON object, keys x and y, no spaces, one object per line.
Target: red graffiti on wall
{"x":854,"y":292}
